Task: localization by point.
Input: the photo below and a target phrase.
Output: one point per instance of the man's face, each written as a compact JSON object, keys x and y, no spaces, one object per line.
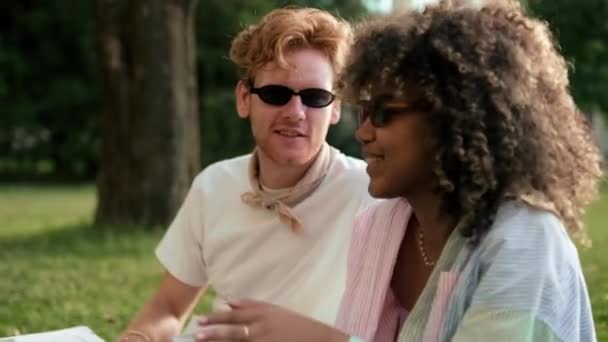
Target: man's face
{"x":290,"y":134}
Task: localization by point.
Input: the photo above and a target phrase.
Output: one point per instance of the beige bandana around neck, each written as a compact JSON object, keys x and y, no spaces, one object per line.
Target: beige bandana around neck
{"x":281,"y":201}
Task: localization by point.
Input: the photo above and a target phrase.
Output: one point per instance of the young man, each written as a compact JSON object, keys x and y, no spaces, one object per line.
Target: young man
{"x":274,"y":225}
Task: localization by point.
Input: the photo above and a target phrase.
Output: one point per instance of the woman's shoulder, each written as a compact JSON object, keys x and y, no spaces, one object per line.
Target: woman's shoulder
{"x":531,"y":245}
{"x":521,"y":227}
{"x":383,"y":212}
{"x":527,"y":263}
{"x":381,"y":220}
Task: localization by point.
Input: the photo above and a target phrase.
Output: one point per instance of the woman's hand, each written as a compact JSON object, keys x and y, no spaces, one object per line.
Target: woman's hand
{"x":251,"y":320}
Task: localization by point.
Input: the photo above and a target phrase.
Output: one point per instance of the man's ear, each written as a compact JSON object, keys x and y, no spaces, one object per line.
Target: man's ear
{"x":335,"y":112}
{"x":243,"y":98}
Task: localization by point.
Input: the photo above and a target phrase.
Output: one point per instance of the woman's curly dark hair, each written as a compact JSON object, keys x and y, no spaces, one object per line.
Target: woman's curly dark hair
{"x":504,"y":122}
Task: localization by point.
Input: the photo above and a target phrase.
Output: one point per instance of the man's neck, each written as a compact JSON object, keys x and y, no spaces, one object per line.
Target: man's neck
{"x":275,"y":176}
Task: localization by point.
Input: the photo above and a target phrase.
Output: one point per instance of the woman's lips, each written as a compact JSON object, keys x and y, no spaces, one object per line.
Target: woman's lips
{"x":374,"y":161}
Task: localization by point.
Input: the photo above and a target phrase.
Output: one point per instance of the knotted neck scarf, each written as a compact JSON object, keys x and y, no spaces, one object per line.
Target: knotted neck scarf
{"x":281,"y":201}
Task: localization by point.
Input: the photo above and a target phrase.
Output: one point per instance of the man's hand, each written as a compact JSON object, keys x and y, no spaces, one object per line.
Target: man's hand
{"x":160,"y":318}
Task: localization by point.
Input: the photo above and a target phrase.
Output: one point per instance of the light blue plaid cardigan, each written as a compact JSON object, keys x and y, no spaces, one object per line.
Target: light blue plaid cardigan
{"x":522,"y":282}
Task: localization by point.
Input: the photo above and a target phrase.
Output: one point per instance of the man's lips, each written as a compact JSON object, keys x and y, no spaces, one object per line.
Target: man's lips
{"x":290,"y":133}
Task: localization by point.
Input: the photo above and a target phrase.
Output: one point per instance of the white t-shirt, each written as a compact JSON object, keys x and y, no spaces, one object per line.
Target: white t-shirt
{"x":244,"y":251}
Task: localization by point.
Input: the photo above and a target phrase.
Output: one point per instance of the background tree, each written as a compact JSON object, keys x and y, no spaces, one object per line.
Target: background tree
{"x":581,"y":29}
{"x":149,"y":149}
{"x":48,"y":98}
{"x":107,"y":89}
{"x":52,"y":92}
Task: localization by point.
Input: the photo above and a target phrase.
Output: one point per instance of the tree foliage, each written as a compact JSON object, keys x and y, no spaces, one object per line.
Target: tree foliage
{"x":581,"y":28}
{"x":50,"y":104}
{"x":49,"y":101}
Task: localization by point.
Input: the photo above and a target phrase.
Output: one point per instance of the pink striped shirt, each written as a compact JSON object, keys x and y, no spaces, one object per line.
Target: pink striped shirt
{"x":369,"y":308}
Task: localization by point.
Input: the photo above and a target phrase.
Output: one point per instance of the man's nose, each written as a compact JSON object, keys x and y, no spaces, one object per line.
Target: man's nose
{"x":295,"y":109}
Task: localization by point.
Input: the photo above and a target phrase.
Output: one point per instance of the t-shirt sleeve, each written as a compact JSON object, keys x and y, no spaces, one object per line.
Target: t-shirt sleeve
{"x":531,"y":287}
{"x":181,"y":249}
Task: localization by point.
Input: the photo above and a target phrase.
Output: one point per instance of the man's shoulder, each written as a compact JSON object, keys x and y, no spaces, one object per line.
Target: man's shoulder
{"x":220,"y":172}
{"x":350,"y":162}
{"x":238,"y":162}
{"x":349,"y":168}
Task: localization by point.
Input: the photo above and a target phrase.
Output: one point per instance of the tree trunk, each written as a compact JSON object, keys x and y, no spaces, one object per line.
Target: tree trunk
{"x":149,"y":148}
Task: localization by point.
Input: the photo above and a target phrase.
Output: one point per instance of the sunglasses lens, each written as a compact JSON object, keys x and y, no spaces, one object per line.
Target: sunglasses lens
{"x":278,"y":95}
{"x":362,"y":114}
{"x":380,"y":117}
{"x":316,"y":98}
{"x":275,"y":94}
{"x":380,"y":114}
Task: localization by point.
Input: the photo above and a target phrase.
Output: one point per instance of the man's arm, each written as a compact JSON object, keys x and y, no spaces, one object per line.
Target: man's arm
{"x":161,"y":318}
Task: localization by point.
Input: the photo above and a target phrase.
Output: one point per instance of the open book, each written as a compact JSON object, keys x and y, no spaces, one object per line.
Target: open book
{"x":75,"y":334}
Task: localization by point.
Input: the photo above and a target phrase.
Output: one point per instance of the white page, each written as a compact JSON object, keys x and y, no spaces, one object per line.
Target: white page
{"x":75,"y":334}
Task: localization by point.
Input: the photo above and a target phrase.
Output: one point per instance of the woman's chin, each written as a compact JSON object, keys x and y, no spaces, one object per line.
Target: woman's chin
{"x":377,"y":191}
{"x":380,"y":189}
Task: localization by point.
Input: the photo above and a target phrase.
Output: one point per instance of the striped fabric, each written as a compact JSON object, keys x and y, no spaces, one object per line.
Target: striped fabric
{"x":445,"y":287}
{"x":522,"y":282}
{"x":369,"y":309}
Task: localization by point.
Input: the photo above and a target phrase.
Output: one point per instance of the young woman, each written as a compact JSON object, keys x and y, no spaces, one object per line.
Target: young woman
{"x":472,"y":136}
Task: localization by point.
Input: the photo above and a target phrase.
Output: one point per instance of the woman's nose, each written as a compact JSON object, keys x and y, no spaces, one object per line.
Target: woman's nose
{"x":365,"y":133}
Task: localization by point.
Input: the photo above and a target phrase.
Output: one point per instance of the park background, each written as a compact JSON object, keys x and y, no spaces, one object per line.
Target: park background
{"x":108,"y":108}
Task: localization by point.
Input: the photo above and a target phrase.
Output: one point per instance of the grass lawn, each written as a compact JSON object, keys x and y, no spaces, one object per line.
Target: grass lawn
{"x":595,"y":264}
{"x":57,"y":270}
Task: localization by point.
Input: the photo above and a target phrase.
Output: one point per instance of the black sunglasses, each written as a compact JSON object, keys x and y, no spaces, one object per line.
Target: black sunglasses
{"x":278,"y":95}
{"x":381,"y":114}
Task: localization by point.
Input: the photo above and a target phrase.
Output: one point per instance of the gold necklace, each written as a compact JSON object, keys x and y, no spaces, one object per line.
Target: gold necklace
{"x":425,"y":258}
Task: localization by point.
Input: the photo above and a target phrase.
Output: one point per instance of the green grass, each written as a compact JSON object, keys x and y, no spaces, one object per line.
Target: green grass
{"x":57,"y":270}
{"x":595,"y":264}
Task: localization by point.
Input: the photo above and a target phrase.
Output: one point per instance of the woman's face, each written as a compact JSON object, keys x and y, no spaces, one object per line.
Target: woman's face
{"x":395,"y":136}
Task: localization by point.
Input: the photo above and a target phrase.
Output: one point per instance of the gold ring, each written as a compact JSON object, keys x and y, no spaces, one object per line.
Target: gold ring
{"x":246,"y":331}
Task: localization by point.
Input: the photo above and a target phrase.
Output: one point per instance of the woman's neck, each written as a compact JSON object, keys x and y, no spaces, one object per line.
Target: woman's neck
{"x":436,"y":225}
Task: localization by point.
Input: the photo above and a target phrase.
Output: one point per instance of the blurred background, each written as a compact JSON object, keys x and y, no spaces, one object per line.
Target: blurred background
{"x":109,"y":108}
